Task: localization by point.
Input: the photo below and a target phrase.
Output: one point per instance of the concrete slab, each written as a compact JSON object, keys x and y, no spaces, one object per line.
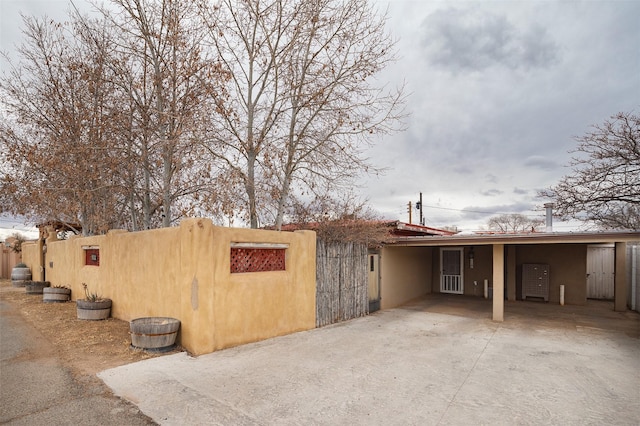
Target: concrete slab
{"x":406,"y":366}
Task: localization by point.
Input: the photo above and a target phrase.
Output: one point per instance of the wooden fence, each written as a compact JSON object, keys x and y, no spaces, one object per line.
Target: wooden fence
{"x":633,"y":276}
{"x":341,"y":282}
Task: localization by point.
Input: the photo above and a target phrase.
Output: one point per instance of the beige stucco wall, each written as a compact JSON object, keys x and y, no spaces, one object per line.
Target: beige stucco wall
{"x":254,"y":306}
{"x":30,"y":257}
{"x":620,"y":280}
{"x":406,"y":273}
{"x":8,"y":259}
{"x":64,"y":265}
{"x":482,"y":269}
{"x":184,"y":273}
{"x":567,"y":266}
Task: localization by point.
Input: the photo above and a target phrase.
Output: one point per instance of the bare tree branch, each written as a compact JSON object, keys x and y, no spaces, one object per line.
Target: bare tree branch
{"x":605,"y":184}
{"x":304,"y":102}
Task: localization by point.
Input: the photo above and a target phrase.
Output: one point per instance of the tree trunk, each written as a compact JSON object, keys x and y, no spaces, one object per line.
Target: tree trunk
{"x":250,"y":186}
{"x":282,"y":200}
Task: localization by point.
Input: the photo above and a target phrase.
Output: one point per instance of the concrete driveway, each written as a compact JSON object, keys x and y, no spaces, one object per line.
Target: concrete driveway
{"x":439,"y":361}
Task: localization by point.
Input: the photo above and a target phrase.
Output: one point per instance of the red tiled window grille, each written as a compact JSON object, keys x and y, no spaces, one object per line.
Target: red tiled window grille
{"x":257,"y":259}
{"x":92,"y":257}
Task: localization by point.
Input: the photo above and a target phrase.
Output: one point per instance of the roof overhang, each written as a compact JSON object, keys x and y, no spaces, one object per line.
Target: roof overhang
{"x":418,"y":230}
{"x":533,"y":238}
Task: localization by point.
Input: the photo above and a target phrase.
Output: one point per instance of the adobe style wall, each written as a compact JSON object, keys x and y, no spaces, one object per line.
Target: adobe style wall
{"x":184,"y":272}
{"x":8,"y":259}
{"x":31,"y":256}
{"x":406,"y":274}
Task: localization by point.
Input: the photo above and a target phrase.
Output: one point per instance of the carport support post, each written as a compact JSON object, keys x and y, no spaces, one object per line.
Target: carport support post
{"x":620,"y":280}
{"x":498,"y":282}
{"x":511,"y":273}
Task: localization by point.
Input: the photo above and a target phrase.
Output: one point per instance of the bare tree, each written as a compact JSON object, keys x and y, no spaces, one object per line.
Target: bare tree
{"x":171,"y":85}
{"x":16,"y":242}
{"x":57,"y":129}
{"x":102,"y":119}
{"x":304,"y":101}
{"x":605,"y":184}
{"x":344,"y":218}
{"x":514,"y":223}
{"x":127,"y":121}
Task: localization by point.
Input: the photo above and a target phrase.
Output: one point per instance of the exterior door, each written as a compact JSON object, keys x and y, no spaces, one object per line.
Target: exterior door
{"x":374,"y":282}
{"x":451,"y":279}
{"x":600,"y":271}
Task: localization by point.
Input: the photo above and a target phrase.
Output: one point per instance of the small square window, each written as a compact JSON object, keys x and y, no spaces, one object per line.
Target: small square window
{"x":92,"y":256}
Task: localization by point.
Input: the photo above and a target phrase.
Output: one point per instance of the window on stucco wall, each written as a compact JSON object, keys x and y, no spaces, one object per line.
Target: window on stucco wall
{"x":91,"y":256}
{"x":247,"y":257}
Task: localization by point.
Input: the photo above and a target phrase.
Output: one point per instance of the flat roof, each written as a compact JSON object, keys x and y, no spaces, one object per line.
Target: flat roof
{"x":530,"y":238}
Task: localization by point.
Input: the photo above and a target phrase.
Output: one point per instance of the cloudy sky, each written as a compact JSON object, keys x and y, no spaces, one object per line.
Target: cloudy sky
{"x":498,"y":90}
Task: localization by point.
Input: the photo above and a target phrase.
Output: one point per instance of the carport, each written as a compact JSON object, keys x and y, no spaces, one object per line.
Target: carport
{"x":513,"y":266}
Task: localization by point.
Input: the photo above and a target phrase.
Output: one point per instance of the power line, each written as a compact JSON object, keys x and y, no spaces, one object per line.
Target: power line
{"x":473,"y":211}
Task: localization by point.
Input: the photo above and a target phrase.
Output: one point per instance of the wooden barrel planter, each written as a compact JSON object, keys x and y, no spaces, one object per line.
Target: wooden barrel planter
{"x":154,"y":334}
{"x":36,"y":287}
{"x":20,"y":274}
{"x":98,"y":310}
{"x":56,"y":294}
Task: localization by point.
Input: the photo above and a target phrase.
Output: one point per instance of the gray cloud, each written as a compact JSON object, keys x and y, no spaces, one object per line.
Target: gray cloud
{"x":491,"y":178}
{"x":462,"y":170}
{"x":541,"y":162}
{"x":492,"y":192}
{"x":498,"y":90}
{"x":478,"y":212}
{"x":474,"y":40}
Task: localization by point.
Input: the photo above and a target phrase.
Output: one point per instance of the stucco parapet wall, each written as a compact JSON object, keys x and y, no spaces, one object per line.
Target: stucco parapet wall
{"x":533,"y":238}
{"x":184,"y":272}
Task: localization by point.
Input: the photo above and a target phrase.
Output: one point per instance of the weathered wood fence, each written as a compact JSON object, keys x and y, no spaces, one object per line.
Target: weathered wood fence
{"x":341,"y":281}
{"x":633,"y":276}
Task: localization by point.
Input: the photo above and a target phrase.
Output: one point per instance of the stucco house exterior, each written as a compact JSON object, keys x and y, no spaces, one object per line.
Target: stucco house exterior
{"x":535,"y":265}
{"x":231,"y":286}
{"x":227,"y":286}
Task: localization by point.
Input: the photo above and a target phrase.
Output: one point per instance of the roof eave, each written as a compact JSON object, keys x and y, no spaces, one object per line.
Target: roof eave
{"x":534,"y":238}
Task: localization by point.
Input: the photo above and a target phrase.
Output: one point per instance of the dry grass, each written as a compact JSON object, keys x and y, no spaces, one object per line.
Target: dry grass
{"x":86,"y":346}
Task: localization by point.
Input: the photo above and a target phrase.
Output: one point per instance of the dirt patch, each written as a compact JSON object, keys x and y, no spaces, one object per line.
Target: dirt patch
{"x":86,"y":346}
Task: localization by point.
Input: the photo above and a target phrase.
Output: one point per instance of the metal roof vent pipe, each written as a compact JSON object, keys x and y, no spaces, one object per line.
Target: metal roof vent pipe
{"x":549,"y":208}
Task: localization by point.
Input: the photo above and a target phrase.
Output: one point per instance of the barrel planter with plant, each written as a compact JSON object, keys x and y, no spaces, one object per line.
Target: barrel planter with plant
{"x":154,"y":334}
{"x":36,"y":287}
{"x":56,"y":294}
{"x":20,"y":274}
{"x":93,"y":306}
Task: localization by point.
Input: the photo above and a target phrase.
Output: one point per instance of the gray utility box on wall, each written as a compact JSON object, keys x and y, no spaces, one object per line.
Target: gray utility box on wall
{"x":535,"y":281}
